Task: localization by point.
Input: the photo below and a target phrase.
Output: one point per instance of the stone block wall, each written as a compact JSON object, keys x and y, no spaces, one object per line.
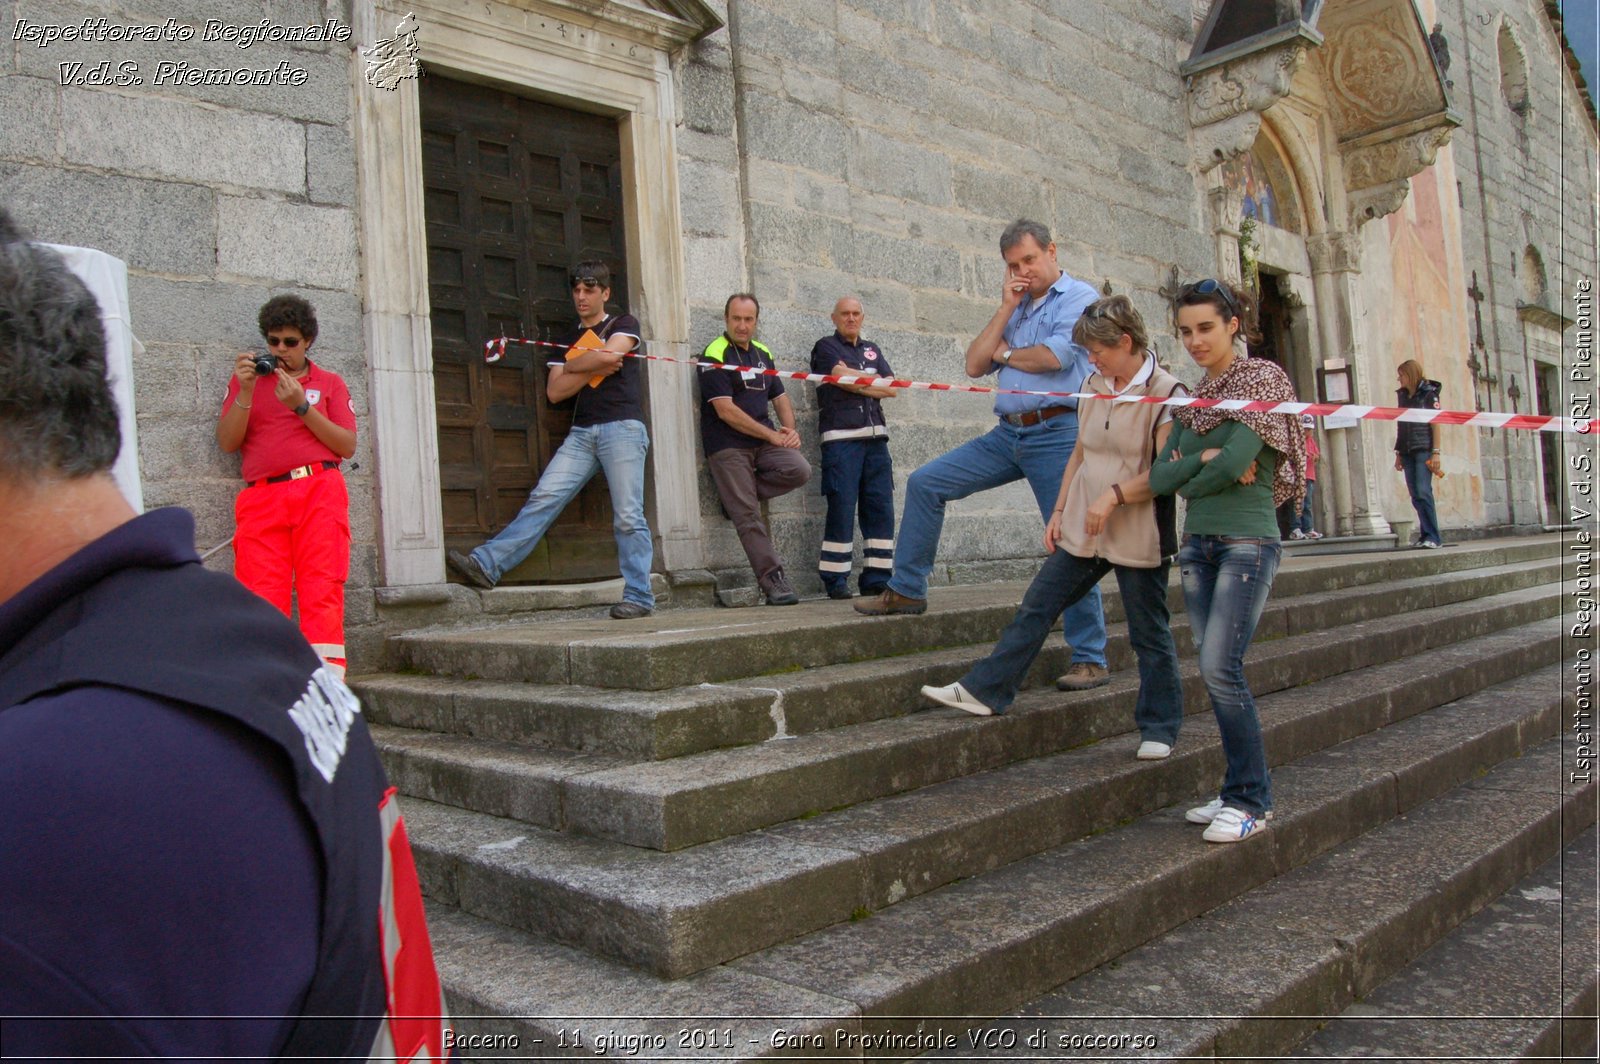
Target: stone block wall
{"x":1527,"y":180}
{"x":878,"y":148}
{"x":217,"y":197}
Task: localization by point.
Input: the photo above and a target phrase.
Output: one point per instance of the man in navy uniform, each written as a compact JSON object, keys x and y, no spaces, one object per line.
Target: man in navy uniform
{"x":856,"y":472}
{"x":202,"y":856}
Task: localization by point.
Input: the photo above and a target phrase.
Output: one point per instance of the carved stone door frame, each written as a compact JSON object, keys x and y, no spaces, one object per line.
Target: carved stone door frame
{"x":608,"y":58}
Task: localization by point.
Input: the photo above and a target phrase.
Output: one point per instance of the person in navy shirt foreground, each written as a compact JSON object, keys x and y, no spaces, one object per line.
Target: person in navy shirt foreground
{"x":201,"y":856}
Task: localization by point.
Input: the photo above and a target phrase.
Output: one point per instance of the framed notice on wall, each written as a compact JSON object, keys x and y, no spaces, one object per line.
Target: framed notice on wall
{"x":1333,"y":386}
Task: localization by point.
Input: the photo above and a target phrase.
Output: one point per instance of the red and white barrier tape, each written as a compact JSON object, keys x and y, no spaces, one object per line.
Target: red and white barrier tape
{"x":494,"y":350}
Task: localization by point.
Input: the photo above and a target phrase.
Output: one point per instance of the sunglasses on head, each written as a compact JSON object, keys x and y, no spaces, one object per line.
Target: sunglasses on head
{"x":587,"y":282}
{"x":1213,"y":287}
{"x":290,"y":342}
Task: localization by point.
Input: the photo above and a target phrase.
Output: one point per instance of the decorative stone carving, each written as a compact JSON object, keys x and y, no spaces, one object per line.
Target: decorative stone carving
{"x":1377,"y":175}
{"x":1386,"y":100}
{"x":1217,"y":143}
{"x":1225,"y":102}
{"x":1334,"y":253}
{"x":1227,"y":212}
{"x":1369,"y":203}
{"x":1364,"y":77}
{"x":1295,"y":289}
{"x":1379,"y":69}
{"x":1395,"y":159}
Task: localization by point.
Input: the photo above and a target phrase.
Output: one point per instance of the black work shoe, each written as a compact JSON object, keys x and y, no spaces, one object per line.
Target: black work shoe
{"x":891,"y":601}
{"x":628,"y":611}
{"x":839,"y":592}
{"x":779,"y":592}
{"x":467,"y":567}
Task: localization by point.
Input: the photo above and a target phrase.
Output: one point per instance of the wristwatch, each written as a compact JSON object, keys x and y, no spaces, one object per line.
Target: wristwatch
{"x":1005,"y":356}
{"x":303,"y":408}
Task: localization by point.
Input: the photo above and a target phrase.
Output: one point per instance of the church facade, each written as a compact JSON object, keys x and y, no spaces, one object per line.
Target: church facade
{"x":1396,"y":178}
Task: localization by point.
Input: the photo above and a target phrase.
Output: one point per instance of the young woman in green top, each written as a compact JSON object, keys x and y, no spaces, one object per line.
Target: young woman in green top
{"x":1234,"y":468}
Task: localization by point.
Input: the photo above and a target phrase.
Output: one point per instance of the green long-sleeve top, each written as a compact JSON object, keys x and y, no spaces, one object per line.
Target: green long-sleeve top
{"x":1218,"y":504}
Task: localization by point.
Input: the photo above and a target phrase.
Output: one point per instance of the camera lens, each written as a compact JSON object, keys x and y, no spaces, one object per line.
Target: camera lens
{"x":266,"y":365}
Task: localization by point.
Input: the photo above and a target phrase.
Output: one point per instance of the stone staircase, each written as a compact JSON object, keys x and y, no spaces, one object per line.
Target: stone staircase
{"x":683,"y":836}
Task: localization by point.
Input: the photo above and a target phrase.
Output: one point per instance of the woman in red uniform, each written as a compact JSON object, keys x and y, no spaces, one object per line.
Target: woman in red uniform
{"x":293,"y":516}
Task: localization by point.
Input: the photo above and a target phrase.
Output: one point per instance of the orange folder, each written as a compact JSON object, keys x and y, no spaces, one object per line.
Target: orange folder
{"x":587,"y":342}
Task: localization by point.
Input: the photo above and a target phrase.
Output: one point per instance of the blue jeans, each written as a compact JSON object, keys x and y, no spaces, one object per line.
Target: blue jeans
{"x":1003,"y":455}
{"x":618,"y":447}
{"x":1419,"y":481}
{"x":1304,"y":521}
{"x":857,"y":475}
{"x":1064,"y":579}
{"x":1226,"y":580}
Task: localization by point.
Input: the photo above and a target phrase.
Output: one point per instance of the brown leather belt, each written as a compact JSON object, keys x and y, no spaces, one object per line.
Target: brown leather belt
{"x":297,"y":473}
{"x":1033,"y":417}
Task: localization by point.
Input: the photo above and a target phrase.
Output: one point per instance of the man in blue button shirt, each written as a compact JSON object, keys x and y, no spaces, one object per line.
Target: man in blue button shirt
{"x":1029,"y":341}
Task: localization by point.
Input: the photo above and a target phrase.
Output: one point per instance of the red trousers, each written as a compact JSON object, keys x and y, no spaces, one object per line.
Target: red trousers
{"x":295,"y":536}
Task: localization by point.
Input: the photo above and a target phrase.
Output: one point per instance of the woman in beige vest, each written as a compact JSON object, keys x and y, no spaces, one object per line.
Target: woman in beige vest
{"x":1105,"y":520}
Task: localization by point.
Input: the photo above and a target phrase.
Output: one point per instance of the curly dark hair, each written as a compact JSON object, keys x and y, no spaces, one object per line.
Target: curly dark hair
{"x":285,"y":312}
{"x":57,"y":415}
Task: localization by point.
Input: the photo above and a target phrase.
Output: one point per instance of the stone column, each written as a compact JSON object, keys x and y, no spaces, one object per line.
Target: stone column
{"x":394,"y":290}
{"x":1226,"y":218}
{"x":1335,"y":269}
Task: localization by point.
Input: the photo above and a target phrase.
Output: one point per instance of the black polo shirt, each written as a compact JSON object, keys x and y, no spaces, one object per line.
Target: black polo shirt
{"x":750,"y":392}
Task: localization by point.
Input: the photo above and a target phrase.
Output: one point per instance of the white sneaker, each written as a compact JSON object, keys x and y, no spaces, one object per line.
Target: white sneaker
{"x":1233,"y":825}
{"x":1149,"y":750}
{"x":957,"y":697}
{"x":1205,"y":814}
{"x":1297,"y":534}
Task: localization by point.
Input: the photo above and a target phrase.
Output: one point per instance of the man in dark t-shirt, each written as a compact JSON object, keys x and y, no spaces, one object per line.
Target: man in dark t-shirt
{"x":751,"y":459}
{"x":607,"y":433}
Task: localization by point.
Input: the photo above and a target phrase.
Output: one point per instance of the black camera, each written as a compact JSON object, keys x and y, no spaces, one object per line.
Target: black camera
{"x":266,"y":365}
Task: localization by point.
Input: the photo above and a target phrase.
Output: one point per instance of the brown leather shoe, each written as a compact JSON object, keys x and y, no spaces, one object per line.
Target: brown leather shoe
{"x":891,"y":601}
{"x":1084,"y":676}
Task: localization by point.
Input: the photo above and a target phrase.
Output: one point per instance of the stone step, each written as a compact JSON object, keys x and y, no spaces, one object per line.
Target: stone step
{"x":664,"y":725}
{"x":1002,"y":938}
{"x":1515,"y":982}
{"x":687,"y":647}
{"x":676,"y":913}
{"x":1255,"y":977}
{"x":670,"y":805}
{"x":1330,"y":544}
{"x":1012,"y":934}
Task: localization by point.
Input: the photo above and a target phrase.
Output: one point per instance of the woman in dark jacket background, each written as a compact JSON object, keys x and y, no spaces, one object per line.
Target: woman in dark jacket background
{"x":1416,"y":448}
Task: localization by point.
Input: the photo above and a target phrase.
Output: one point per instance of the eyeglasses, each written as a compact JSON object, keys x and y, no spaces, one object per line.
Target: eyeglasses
{"x":587,"y":282}
{"x":289,"y":342}
{"x":1213,"y":287}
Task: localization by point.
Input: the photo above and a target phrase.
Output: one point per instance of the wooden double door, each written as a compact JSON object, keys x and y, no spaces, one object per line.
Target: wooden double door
{"x":516,"y":191}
